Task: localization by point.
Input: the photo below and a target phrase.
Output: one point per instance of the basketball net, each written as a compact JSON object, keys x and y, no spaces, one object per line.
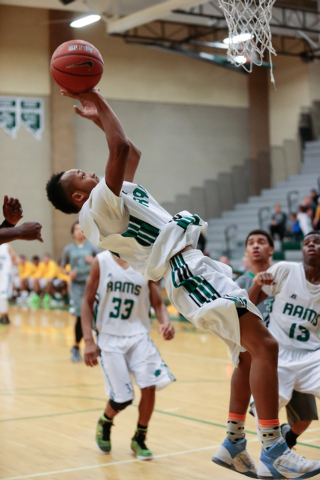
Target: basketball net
{"x":249,"y":32}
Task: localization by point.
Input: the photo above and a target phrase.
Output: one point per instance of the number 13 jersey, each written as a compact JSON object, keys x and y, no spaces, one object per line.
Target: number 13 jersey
{"x":295,"y":316}
{"x":123,"y":300}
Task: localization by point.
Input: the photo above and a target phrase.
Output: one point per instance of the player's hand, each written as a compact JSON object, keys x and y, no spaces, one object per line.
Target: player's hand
{"x":91,"y":354}
{"x":264,"y":278}
{"x":167,"y":330}
{"x":30,"y":231}
{"x":90,"y":96}
{"x":89,"y":259}
{"x":73,"y":274}
{"x":12,"y":210}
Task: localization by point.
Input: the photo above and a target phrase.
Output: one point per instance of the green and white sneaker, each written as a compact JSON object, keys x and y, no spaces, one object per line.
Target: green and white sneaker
{"x":139,"y":447}
{"x":103,"y":441}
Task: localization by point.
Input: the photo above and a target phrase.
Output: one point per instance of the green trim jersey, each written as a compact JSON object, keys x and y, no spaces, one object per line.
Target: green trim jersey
{"x":123,"y":301}
{"x":75,"y":254}
{"x":264,"y":307}
{"x":136,"y":228}
{"x":295,"y":316}
{"x":5,"y":259}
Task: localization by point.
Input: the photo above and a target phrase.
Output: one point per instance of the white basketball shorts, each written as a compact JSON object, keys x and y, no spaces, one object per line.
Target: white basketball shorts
{"x":200,"y":290}
{"x":137,"y":355}
{"x":298,"y":370}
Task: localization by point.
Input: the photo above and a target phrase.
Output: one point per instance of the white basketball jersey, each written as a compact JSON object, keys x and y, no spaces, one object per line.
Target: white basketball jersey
{"x":137,"y":228}
{"x":5,"y":259}
{"x":295,"y":316}
{"x":123,"y":302}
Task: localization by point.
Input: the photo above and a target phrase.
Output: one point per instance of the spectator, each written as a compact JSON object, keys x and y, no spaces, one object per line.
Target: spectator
{"x":294,"y":229}
{"x":314,"y":199}
{"x":305,"y":219}
{"x":224,"y":259}
{"x":246,"y":265}
{"x":47,"y":271}
{"x":316,"y":220}
{"x":278,"y":222}
{"x":20,"y":282}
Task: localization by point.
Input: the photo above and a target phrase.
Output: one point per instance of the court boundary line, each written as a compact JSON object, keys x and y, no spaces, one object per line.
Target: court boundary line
{"x":110,"y":464}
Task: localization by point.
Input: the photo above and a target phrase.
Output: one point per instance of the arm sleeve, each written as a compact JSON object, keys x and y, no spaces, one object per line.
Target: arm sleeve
{"x":280,"y":273}
{"x":241,"y":282}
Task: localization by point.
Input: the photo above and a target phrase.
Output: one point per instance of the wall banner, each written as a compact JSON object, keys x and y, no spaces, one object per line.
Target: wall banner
{"x":9,"y":115}
{"x":28,"y":112}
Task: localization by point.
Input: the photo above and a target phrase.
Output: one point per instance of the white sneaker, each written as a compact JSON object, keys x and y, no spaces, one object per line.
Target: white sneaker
{"x":235,"y":457}
{"x":280,"y":462}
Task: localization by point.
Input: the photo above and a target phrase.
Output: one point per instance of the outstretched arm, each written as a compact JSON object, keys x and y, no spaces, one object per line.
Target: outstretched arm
{"x":26,"y":231}
{"x":123,"y":155}
{"x":91,"y":351}
{"x":165,"y":326}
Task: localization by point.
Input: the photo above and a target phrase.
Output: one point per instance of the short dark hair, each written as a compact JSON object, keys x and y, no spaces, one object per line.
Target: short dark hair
{"x":57,"y":196}
{"x":73,"y":226}
{"x":35,"y":257}
{"x":261,"y":232}
{"x":314,"y":232}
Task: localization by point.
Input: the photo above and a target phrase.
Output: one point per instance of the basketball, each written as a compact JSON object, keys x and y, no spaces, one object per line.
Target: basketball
{"x":76,"y":66}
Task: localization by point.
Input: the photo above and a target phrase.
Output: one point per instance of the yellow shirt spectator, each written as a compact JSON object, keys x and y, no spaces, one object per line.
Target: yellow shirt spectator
{"x":48,"y":270}
{"x":26,"y":269}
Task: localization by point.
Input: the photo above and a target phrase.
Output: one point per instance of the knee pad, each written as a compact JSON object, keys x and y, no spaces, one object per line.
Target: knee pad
{"x":117,"y":407}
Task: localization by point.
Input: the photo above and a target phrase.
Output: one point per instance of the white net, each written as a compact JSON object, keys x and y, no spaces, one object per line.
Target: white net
{"x":249,"y":31}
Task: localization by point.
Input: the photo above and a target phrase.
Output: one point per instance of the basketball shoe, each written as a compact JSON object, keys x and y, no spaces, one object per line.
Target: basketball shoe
{"x":235,"y":457}
{"x":139,"y":447}
{"x":103,"y":441}
{"x":280,"y":462}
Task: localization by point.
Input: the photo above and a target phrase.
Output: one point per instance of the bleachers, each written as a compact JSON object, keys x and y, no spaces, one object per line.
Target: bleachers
{"x":245,"y":215}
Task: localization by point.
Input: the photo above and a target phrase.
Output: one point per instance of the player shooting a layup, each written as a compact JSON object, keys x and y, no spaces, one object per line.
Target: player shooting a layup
{"x":123,"y":299}
{"x":124,"y":218}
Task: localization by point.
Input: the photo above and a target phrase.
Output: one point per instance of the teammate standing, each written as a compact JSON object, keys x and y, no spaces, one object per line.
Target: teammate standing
{"x":302,"y":408}
{"x":79,"y":255}
{"x":6,"y":256}
{"x":124,"y":299}
{"x":123,"y":217}
{"x":294,"y":322}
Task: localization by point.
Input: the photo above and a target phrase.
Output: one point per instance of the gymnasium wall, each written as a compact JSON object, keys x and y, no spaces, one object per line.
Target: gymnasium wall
{"x":181,"y":144}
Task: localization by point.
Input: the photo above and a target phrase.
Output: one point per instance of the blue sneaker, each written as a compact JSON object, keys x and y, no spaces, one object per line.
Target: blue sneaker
{"x":235,"y":457}
{"x":280,"y":462}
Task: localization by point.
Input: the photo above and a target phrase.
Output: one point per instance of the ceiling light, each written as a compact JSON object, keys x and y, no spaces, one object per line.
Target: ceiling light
{"x":241,"y":59}
{"x":82,"y":22}
{"x":244,"y":37}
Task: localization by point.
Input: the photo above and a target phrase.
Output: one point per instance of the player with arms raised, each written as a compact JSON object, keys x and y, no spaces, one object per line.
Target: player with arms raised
{"x":295,"y":318}
{"x":124,"y":299}
{"x":123,"y":217}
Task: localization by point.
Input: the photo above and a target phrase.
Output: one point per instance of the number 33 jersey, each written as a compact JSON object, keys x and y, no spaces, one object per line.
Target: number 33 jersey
{"x":295,"y":316}
{"x":123,"y":300}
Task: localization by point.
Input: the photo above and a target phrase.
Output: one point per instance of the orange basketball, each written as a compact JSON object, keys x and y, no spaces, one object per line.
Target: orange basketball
{"x":76,"y":66}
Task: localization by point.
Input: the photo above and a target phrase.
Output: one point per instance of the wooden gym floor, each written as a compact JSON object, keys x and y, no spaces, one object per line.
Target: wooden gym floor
{"x":50,"y":406}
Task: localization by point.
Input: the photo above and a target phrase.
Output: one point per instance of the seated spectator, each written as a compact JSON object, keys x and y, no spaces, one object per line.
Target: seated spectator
{"x":246,"y":265}
{"x":60,"y":284}
{"x":305,"y":219}
{"x":43,"y":281}
{"x":293,"y":228}
{"x":314,"y":200}
{"x":316,"y":220}
{"x":224,"y":259}
{"x":20,"y":282}
{"x":278,"y":222}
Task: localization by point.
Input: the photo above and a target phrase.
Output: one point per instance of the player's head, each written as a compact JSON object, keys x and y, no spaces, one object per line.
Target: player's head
{"x":259,"y":246}
{"x":76,"y":232}
{"x":311,"y":248}
{"x":35,"y":260}
{"x":22,"y":259}
{"x":68,"y":191}
{"x":46,"y":257}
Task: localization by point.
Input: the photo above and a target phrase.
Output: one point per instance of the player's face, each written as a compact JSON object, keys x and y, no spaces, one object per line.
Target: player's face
{"x":79,"y":181}
{"x":311,"y":249}
{"x":258,"y":248}
{"x":77,"y":233}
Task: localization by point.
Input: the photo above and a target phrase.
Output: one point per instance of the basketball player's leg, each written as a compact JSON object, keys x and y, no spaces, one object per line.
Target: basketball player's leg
{"x":119,"y":388}
{"x":150,"y":373}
